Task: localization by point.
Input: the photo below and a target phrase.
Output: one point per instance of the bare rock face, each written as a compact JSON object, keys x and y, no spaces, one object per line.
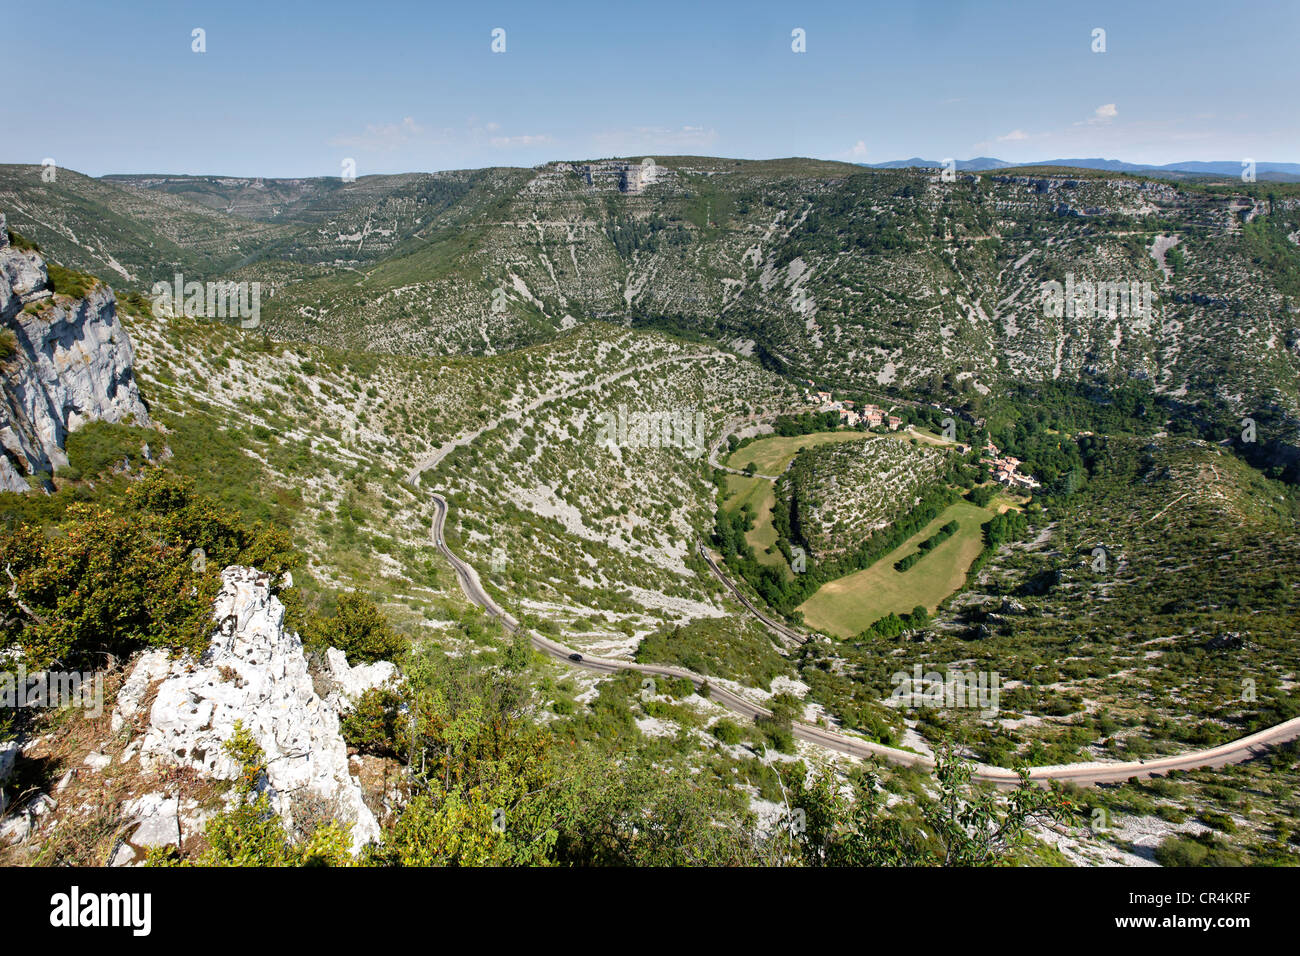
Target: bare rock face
{"x":72,"y":364}
{"x":8,"y":753}
{"x":253,"y":671}
{"x":351,"y":682}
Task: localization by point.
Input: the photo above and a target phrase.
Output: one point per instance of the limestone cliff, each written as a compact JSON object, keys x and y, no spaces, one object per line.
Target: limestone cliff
{"x":70,"y":362}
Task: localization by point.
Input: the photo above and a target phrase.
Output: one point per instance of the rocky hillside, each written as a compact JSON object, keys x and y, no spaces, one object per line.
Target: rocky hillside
{"x":339,"y":442}
{"x":891,"y":280}
{"x":838,"y":495}
{"x":66,"y":361}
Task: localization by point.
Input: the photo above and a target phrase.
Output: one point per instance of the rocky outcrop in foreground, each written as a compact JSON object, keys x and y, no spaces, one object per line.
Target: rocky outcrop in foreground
{"x":254,"y":671}
{"x":71,"y":363}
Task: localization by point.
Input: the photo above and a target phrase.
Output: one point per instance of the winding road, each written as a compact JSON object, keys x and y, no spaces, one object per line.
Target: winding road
{"x":772,"y":625}
{"x":1083,"y":774}
{"x":1089,"y":774}
{"x":442,"y":451}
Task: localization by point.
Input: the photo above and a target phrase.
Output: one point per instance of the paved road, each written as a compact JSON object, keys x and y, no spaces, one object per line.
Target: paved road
{"x":752,"y":419}
{"x":772,"y":625}
{"x":1083,"y":774}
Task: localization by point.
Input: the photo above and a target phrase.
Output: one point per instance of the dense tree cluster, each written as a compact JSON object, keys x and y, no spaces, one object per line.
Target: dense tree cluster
{"x":846,"y":220}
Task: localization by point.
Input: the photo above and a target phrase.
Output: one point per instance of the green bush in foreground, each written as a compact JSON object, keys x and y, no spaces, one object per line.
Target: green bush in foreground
{"x":358,"y":628}
{"x":111,"y":580}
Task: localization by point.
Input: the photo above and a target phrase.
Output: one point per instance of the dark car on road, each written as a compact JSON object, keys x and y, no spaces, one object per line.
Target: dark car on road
{"x":575,"y":657}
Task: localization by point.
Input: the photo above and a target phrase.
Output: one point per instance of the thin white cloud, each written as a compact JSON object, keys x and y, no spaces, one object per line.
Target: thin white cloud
{"x":1156,"y":141}
{"x":390,"y":137}
{"x":509,"y":142}
{"x":1017,"y":135}
{"x":381,"y":138}
{"x":651,"y":139}
{"x":1104,"y":113}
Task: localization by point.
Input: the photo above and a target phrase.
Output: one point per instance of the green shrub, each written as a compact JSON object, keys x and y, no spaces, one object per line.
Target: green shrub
{"x":1174,"y":814}
{"x":374,"y":724}
{"x":97,"y":446}
{"x":134,"y":303}
{"x":727,"y":732}
{"x":1219,"y":821}
{"x":109,"y":581}
{"x":19,"y":241}
{"x":63,"y":281}
{"x":359,"y":629}
{"x":1203,"y":850}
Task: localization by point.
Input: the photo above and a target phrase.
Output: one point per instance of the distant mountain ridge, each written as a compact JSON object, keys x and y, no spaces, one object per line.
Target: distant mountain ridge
{"x":887,"y":280}
{"x":1280,"y":172}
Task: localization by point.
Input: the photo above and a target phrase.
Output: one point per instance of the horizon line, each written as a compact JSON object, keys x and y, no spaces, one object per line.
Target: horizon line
{"x":688,"y":156}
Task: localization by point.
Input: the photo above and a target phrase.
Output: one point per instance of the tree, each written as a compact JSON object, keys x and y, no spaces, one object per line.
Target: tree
{"x":964,"y":826}
{"x":972,"y":826}
{"x":359,"y":629}
{"x":109,"y":581}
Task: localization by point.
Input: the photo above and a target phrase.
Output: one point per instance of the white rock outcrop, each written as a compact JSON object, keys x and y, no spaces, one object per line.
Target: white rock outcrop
{"x":20,"y":825}
{"x":73,"y":364}
{"x":9,"y":751}
{"x":156,"y":822}
{"x":253,"y":671}
{"x":351,"y":682}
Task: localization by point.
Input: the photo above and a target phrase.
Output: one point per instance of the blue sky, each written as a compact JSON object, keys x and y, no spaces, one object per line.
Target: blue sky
{"x":294,"y":88}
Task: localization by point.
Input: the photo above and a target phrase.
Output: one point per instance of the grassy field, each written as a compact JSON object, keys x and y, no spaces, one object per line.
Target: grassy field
{"x":923,"y":435}
{"x":761,"y":494}
{"x":846,"y":606}
{"x":770,"y":456}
